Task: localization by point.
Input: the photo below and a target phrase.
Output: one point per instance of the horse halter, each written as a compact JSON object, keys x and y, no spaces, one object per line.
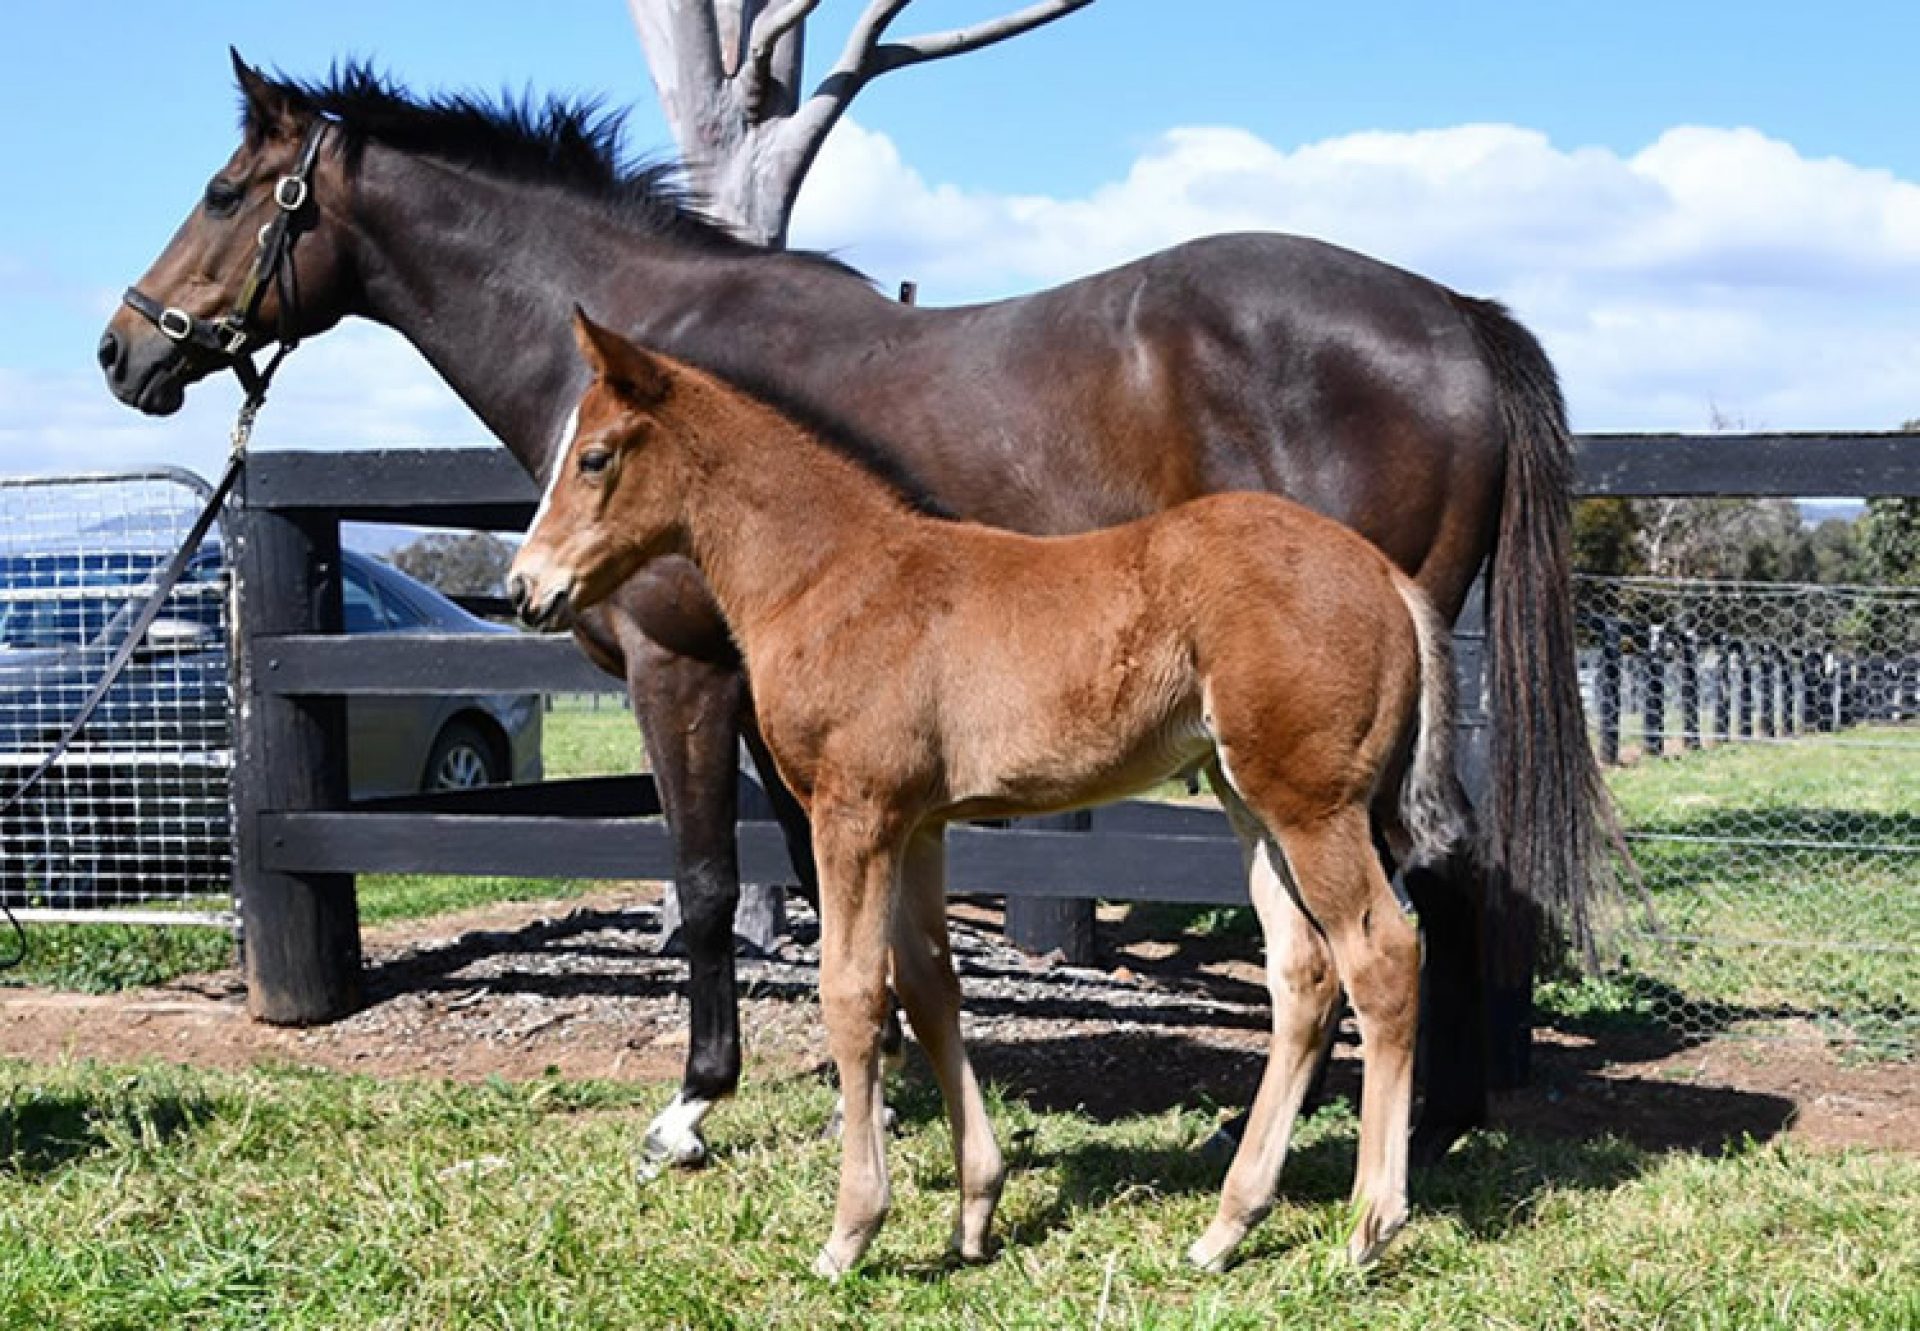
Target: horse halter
{"x":225,"y":337}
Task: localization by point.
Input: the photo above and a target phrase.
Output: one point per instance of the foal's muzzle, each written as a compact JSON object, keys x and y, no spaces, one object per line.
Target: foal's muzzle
{"x":541,"y":608}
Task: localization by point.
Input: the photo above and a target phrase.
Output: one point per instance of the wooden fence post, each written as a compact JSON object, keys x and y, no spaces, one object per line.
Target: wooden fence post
{"x":1743,"y":695}
{"x":1764,"y":702}
{"x":1723,"y":690}
{"x":1041,"y":925}
{"x":1607,"y":691}
{"x":300,"y":933}
{"x":1653,"y":698}
{"x":1689,"y":650}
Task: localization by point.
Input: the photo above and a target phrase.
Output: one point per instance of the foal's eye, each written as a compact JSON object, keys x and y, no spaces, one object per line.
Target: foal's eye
{"x":595,"y":461}
{"x":223,"y":196}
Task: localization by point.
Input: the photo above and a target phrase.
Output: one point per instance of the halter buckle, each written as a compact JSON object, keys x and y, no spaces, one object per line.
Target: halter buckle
{"x":176,"y":323}
{"x":291,"y":193}
{"x":233,"y":336}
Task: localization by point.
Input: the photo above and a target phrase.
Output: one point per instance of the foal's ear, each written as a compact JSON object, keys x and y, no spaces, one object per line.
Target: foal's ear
{"x":634,"y":371}
{"x":267,"y":108}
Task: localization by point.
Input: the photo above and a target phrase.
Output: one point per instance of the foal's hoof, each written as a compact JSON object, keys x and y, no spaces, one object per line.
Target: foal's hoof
{"x":1372,"y":1235}
{"x":828,"y":1267}
{"x":1212,"y":1252}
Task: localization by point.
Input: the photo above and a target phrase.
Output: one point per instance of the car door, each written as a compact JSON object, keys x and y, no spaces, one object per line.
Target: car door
{"x":383,"y":731}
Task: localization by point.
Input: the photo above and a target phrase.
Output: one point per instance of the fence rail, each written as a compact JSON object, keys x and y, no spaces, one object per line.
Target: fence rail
{"x":298,"y":842}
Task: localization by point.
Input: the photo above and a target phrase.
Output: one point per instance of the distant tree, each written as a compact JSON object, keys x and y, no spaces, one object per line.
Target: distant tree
{"x":1890,"y":541}
{"x":1837,"y":556}
{"x":1606,"y":537}
{"x":1717,"y":538}
{"x":458,"y":564}
{"x":730,"y":78}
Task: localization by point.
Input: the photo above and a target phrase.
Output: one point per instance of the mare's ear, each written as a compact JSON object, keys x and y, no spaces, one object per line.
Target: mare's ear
{"x":636,"y":372}
{"x":267,"y":108}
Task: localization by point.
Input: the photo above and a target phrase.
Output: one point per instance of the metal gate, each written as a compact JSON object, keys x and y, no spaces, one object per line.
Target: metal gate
{"x":1765,"y":746}
{"x":133,"y":824}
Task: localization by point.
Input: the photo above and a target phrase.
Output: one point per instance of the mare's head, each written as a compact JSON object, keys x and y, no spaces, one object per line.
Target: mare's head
{"x":613,"y":496}
{"x":200,"y":313}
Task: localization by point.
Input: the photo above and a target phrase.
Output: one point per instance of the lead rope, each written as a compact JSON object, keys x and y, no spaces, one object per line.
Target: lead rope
{"x":255,"y":383}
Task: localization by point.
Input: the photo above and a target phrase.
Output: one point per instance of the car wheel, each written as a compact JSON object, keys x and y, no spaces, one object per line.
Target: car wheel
{"x":462,"y":758}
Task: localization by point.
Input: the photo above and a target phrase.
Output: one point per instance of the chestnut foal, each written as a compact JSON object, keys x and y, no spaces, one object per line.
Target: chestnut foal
{"x":908,"y":671}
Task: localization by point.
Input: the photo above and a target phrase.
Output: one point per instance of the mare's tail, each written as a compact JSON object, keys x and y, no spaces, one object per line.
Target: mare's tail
{"x":1433,"y":808}
{"x":1548,"y":821}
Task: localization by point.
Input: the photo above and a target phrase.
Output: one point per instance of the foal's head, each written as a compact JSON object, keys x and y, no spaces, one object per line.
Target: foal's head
{"x":612,"y":497}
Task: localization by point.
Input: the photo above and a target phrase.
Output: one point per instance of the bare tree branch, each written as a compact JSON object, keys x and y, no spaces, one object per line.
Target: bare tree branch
{"x":865,"y":58}
{"x":730,"y":18}
{"x":772,"y":25}
{"x":958,"y":41}
{"x":863,"y":40}
{"x":682,"y":42}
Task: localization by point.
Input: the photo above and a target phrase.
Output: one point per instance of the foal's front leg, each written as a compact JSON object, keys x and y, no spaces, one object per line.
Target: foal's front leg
{"x":923,"y":972}
{"x":859,"y":867}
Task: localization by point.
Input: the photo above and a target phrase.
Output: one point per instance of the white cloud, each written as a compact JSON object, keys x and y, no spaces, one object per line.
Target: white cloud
{"x":1714,"y":268}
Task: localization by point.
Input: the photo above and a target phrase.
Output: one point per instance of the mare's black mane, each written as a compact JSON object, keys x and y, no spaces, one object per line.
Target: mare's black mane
{"x":576,"y":145}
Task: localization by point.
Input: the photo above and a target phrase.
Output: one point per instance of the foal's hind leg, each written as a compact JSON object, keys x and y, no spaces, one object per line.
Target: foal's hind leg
{"x":1377,"y":952}
{"x":1304,"y":996}
{"x":923,"y":973}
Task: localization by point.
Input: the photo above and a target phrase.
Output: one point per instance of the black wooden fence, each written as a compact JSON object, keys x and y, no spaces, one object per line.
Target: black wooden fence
{"x":299,"y":842}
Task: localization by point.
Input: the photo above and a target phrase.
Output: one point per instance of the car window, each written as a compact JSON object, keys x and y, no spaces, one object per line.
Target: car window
{"x":362,"y":609}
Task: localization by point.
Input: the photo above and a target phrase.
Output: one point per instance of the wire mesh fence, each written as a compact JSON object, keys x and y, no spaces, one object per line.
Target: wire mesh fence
{"x":1763,"y":742}
{"x":133,"y":822}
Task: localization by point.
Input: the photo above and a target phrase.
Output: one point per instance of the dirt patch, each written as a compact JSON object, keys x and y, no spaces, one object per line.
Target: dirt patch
{"x":578,"y":988}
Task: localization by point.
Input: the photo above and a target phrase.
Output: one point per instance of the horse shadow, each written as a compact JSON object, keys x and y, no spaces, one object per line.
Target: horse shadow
{"x":1573,"y":1129}
{"x":41,"y":1133}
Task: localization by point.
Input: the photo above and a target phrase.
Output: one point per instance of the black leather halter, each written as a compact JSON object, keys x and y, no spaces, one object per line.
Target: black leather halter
{"x":226,"y":336}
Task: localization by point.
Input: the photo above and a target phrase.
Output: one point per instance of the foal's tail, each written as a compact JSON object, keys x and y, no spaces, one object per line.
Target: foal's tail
{"x":1549,"y":823}
{"x":1433,"y":808}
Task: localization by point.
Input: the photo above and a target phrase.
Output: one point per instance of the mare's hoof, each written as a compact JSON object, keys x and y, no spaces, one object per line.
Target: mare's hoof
{"x":659,"y":1153}
{"x":828,"y":1267}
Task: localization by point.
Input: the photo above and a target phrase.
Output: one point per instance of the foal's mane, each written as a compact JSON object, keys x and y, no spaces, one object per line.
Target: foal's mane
{"x":834,"y":435}
{"x":575,"y":145}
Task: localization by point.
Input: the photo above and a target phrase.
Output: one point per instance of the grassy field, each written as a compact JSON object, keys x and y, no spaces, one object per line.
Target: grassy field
{"x":1738,"y":847}
{"x":156,"y":1197}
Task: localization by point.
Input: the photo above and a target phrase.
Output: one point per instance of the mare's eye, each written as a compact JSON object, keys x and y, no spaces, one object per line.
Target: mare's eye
{"x":223,"y":196}
{"x":595,"y":461}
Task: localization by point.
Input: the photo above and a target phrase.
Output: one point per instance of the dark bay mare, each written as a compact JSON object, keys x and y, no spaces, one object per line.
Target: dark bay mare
{"x":1429,"y":421}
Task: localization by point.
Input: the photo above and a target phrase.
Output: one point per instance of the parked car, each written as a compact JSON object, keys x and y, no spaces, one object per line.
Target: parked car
{"x":139,"y":809}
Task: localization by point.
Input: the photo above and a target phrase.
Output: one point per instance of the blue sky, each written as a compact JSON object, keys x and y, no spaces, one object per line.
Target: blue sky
{"x":1705,"y":208}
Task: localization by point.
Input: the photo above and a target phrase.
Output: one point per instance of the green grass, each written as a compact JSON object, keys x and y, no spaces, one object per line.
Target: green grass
{"x":165,"y":1197}
{"x":1777,"y":889}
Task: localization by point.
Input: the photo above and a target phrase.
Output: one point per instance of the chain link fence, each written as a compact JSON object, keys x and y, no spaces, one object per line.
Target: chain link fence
{"x":1763,"y":742}
{"x":133,"y":823}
